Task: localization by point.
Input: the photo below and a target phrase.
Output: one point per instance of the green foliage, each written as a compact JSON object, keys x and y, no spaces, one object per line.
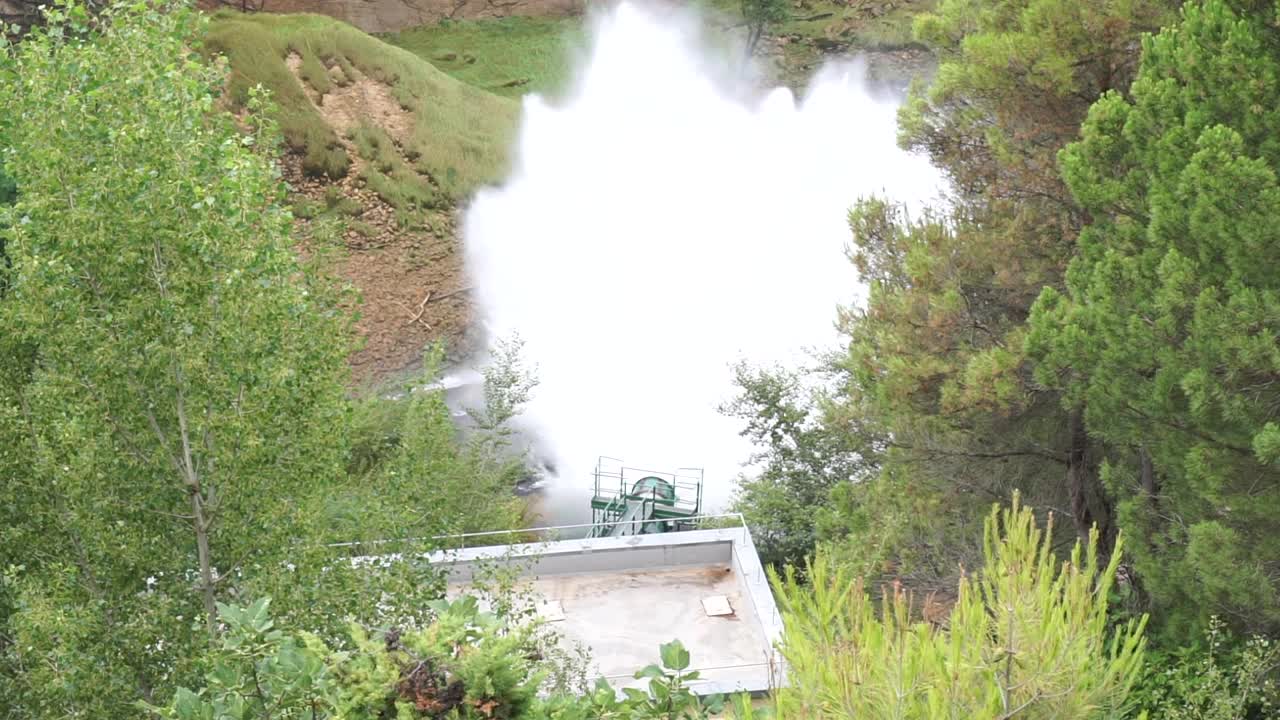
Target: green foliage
{"x":258,"y":671}
{"x":459,"y":133}
{"x":1166,"y":332}
{"x":936,"y":363}
{"x":1015,"y":80}
{"x":411,"y":467}
{"x":463,"y":486}
{"x":933,"y":371}
{"x":462,"y":663}
{"x":8,"y":190}
{"x":1224,"y":680}
{"x":508,"y":387}
{"x":669,"y":697}
{"x":1027,"y":637}
{"x":801,"y":459}
{"x":173,"y":386}
{"x":759,"y":15}
{"x":158,"y":328}
{"x":8,"y":193}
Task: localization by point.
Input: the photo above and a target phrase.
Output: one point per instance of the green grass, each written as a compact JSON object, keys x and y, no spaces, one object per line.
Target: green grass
{"x":817,"y":28}
{"x":387,"y":173}
{"x":506,"y":56}
{"x":461,"y":134}
{"x":843,"y":22}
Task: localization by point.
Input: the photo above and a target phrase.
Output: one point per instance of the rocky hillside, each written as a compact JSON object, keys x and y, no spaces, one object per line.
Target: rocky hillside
{"x":383,"y":147}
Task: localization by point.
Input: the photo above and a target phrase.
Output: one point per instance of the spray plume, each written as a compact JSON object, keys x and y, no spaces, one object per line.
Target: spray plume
{"x":657,"y":227}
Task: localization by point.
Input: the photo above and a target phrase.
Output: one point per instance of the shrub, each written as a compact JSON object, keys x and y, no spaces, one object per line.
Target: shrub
{"x":1028,"y":636}
{"x":1223,"y":680}
{"x":466,"y":664}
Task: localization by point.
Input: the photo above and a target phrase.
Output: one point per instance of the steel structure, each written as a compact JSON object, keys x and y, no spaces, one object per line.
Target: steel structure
{"x":635,"y":501}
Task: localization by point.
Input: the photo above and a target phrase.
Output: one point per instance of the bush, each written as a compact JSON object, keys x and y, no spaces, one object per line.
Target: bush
{"x":1027,"y":637}
{"x":466,"y":664}
{"x":1224,"y":680}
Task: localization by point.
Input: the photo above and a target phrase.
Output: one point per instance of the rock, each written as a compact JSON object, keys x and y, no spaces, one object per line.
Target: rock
{"x":446,"y":56}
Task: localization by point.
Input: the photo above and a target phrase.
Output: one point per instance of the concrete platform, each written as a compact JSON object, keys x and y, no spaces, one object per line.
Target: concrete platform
{"x":623,"y":597}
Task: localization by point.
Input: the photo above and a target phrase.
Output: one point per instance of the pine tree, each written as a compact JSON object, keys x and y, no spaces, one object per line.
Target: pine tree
{"x":936,"y":358}
{"x":1166,"y":335}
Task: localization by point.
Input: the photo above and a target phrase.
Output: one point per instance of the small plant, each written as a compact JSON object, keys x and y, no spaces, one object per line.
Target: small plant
{"x":258,"y":670}
{"x":1225,"y":680}
{"x":669,"y":696}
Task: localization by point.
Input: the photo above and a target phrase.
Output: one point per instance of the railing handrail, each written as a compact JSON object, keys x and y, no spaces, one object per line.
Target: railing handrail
{"x":489,"y":533}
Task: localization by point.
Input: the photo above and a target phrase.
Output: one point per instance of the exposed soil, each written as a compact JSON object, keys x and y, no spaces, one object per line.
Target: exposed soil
{"x":412,"y":281}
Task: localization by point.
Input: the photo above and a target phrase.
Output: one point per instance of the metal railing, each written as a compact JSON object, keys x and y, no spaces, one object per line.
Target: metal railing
{"x":522,"y":532}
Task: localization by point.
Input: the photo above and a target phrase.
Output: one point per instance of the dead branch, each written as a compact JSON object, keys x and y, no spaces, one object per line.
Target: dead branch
{"x":459,"y":291}
{"x":418,"y":317}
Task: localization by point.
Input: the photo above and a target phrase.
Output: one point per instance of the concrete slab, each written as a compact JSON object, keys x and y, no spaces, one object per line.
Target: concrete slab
{"x":622,"y":598}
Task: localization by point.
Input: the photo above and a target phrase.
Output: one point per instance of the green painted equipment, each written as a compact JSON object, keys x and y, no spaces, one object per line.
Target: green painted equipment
{"x":631,"y":501}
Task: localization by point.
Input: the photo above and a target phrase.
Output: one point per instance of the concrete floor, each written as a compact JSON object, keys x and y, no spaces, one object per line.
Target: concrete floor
{"x":623,"y":616}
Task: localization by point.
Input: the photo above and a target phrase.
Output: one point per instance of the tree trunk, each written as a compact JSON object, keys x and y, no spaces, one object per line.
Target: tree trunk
{"x":1089,"y":503}
{"x":206,"y":564}
{"x":1149,"y":485}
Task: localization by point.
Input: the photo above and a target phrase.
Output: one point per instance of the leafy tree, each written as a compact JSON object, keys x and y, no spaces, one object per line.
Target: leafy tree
{"x":934,"y":367}
{"x":8,"y":193}
{"x":172,"y":376}
{"x":416,"y":457}
{"x":1166,"y":334}
{"x":801,"y":459}
{"x":1027,"y":637}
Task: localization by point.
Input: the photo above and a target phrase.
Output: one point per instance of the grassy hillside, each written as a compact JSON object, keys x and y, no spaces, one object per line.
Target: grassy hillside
{"x":517,"y":55}
{"x":506,"y":56}
{"x":456,"y":136}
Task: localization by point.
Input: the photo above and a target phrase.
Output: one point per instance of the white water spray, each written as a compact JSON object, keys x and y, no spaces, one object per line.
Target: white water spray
{"x":656,"y":229}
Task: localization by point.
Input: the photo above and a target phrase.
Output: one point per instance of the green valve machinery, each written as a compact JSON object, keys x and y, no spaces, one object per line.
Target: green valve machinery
{"x":631,"y":501}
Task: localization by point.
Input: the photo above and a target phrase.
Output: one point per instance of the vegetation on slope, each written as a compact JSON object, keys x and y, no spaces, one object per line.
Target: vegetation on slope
{"x":508,"y":56}
{"x":460,"y":134}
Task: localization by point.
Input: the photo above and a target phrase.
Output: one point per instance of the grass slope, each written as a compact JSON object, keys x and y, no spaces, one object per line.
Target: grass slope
{"x":460,"y":136}
{"x":506,"y":56}
{"x":517,"y":55}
